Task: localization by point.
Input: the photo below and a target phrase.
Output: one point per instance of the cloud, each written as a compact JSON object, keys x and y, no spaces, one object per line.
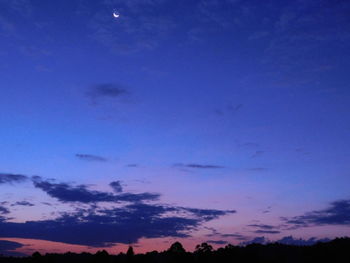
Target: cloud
{"x":20,"y":7}
{"x":258,"y":154}
{"x":338,"y":213}
{"x":249,"y":144}
{"x":217,"y":242}
{"x":4,"y":210}
{"x":143,"y":25}
{"x":23,"y":203}
{"x":207,"y":214}
{"x":267,"y":231}
{"x":7,"y":28}
{"x":258,"y":169}
{"x":105,"y":227}
{"x":12,"y":178}
{"x":287,"y":240}
{"x":69,"y":193}
{"x":117,"y":187}
{"x":229,"y":109}
{"x":236,"y":236}
{"x":290,"y":240}
{"x":7,"y":248}
{"x":90,"y":157}
{"x":262,"y":226}
{"x":126,"y":220}
{"x":106,"y":90}
{"x":199,"y":166}
{"x":255,"y":240}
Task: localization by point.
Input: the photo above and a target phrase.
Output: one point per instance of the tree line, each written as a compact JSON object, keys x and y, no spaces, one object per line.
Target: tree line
{"x":337,"y":250}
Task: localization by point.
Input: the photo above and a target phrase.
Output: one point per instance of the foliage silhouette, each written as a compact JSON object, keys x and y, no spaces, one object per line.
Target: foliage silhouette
{"x":333,"y":251}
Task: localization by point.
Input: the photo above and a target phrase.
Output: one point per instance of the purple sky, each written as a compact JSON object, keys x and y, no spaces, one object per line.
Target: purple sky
{"x":223,"y":121}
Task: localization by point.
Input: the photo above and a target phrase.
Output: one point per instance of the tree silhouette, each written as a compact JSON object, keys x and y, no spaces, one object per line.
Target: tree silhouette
{"x":335,"y":251}
{"x":203,"y":248}
{"x":130,"y":252}
{"x":177,"y":248}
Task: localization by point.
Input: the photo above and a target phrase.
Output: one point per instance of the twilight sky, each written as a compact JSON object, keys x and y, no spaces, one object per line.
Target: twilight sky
{"x":220,"y":121}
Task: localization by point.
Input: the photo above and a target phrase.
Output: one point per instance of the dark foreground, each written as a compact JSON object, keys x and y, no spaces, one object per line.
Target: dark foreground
{"x":337,"y":250}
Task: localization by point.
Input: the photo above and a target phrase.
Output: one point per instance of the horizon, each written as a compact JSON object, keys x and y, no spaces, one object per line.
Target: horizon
{"x":145,"y":122}
{"x":288,"y":241}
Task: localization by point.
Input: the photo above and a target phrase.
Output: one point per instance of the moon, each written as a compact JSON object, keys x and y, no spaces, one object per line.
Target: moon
{"x":116,"y":15}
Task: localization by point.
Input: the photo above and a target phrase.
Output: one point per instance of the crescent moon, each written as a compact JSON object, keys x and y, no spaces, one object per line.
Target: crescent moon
{"x":116,"y":15}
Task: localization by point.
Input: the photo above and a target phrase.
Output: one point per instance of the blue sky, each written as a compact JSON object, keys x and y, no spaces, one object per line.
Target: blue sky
{"x":223,"y":106}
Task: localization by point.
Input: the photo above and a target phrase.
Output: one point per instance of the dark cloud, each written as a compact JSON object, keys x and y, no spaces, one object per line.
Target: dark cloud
{"x":249,"y":144}
{"x":69,"y":193}
{"x":4,"y":210}
{"x":217,"y":242}
{"x":289,"y":240}
{"x":258,"y":169}
{"x":23,"y":203}
{"x":255,"y":240}
{"x":258,"y":154}
{"x":215,"y":233}
{"x":229,"y":109}
{"x":106,"y":90}
{"x":90,"y":157}
{"x":7,"y":248}
{"x":117,"y":187}
{"x":234,"y":108}
{"x":207,"y":214}
{"x":104,"y":227}
{"x":12,"y":178}
{"x":265,"y":229}
{"x":235,"y":236}
{"x":302,"y":151}
{"x":260,"y":231}
{"x":198,"y":166}
{"x":262,"y":226}
{"x":338,"y":213}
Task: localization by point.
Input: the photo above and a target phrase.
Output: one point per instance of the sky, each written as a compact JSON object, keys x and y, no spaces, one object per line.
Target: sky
{"x":219,"y":121}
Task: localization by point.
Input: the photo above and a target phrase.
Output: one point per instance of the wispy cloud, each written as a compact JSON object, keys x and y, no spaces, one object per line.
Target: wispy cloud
{"x":90,"y":157}
{"x":258,"y":169}
{"x":12,"y":178}
{"x":198,"y":166}
{"x":132,"y":165}
{"x":260,"y":231}
{"x":265,"y":229}
{"x":262,"y":226}
{"x":257,"y":154}
{"x":249,"y":144}
{"x":338,"y":213}
{"x":106,"y":90}
{"x":230,"y":109}
{"x":4,"y":210}
{"x":23,"y":203}
{"x":143,"y":25}
{"x":217,"y":242}
{"x":235,"y":236}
